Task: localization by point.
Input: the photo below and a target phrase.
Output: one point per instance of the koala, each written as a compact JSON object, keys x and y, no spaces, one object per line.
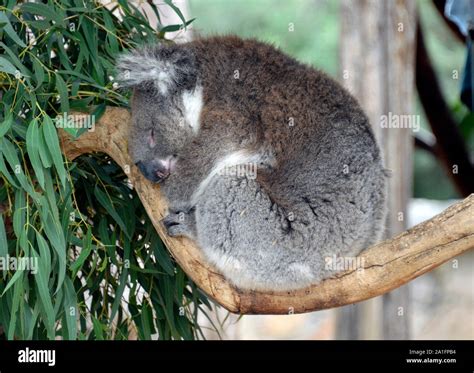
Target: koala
{"x":268,"y":164}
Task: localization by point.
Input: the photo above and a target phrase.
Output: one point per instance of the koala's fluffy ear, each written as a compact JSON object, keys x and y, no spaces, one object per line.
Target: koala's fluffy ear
{"x":160,"y":67}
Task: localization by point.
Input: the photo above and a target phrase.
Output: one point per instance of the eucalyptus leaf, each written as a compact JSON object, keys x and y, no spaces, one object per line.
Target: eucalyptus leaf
{"x":52,"y":141}
{"x":7,"y":67}
{"x":7,"y":27}
{"x":6,"y":124}
{"x":32,"y":146}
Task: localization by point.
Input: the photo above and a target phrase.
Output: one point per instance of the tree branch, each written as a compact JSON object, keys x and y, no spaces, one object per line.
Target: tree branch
{"x":384,"y":267}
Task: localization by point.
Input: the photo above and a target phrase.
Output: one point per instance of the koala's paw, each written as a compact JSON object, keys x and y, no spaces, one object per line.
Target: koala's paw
{"x":180,"y":224}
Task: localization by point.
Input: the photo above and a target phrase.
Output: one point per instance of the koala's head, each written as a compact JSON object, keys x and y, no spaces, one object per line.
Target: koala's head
{"x":166,"y":105}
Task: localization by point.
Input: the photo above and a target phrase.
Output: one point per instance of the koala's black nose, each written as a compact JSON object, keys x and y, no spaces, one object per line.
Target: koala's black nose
{"x":141,"y":167}
{"x":153,"y":170}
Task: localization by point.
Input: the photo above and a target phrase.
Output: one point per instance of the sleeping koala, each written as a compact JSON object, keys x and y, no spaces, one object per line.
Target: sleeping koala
{"x":268,"y":164}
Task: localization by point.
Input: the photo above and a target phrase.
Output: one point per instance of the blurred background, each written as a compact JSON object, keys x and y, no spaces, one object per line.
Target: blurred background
{"x":438,"y":305}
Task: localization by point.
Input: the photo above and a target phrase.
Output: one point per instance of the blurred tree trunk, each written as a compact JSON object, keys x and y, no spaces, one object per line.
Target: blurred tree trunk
{"x":377,"y":52}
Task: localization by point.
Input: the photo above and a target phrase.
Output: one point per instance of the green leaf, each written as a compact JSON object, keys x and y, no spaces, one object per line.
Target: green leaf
{"x":32,"y":146}
{"x":6,"y":124}
{"x":44,"y":252}
{"x":98,"y":111}
{"x":19,"y":130}
{"x":85,"y":252}
{"x":15,"y":278}
{"x":70,"y":307}
{"x":466,"y":126}
{"x":44,"y":153}
{"x":63,"y":93}
{"x":176,"y":10}
{"x":6,"y":173}
{"x":106,"y":203}
{"x":9,"y":151}
{"x":19,"y":214}
{"x":16,"y":61}
{"x":122,"y":281}
{"x":49,"y":198}
{"x":83,"y":77}
{"x":52,"y":141}
{"x":7,"y":67}
{"x":17,"y":296}
{"x":173,"y":28}
{"x":8,"y":28}
{"x":161,"y":255}
{"x":98,"y":329}
{"x":55,"y":235}
{"x":147,"y":321}
{"x":3,"y":239}
{"x":41,"y":279}
{"x":58,"y":300}
{"x":39,"y":72}
{"x":40,"y":24}
{"x":23,"y":239}
{"x":111,"y":37}
{"x":82,"y":10}
{"x":49,"y":13}
{"x":33,"y":324}
{"x":63,"y":56}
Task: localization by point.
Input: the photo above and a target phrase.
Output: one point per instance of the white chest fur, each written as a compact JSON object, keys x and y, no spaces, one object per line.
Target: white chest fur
{"x":192,"y":102}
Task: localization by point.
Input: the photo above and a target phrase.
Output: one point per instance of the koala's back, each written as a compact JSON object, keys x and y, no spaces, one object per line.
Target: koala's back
{"x":288,"y":106}
{"x":316,"y":131}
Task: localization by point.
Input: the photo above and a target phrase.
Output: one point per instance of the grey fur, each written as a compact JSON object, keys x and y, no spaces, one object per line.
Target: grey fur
{"x":319,"y":190}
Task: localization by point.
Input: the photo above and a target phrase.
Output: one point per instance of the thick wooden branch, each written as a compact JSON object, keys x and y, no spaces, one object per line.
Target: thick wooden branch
{"x":385,"y":266}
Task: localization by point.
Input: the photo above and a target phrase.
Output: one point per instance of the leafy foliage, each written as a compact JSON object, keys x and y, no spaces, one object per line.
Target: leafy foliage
{"x":103,"y":273}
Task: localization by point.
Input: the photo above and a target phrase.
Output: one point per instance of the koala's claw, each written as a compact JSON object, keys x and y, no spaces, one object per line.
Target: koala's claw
{"x":177,"y":230}
{"x":179,"y":224}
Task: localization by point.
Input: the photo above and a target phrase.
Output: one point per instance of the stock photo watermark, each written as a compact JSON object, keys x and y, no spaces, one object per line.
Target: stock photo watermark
{"x":12,"y":263}
{"x":28,"y":355}
{"x":344,"y":263}
{"x":391,"y":121}
{"x":75,"y":121}
{"x":248,"y":170}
